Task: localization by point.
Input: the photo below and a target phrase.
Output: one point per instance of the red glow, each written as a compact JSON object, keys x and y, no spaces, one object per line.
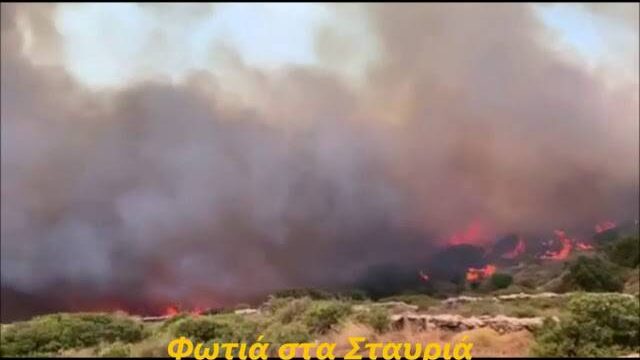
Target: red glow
{"x":604,"y":226}
{"x":517,"y":251}
{"x":171,"y":310}
{"x":563,"y":253}
{"x":475,"y":275}
{"x":197,"y":311}
{"x":474,"y":234}
{"x":583,"y":246}
{"x":424,"y":277}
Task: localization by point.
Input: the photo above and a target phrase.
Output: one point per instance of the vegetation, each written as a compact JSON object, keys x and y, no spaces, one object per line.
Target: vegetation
{"x":594,"y":274}
{"x":323,"y":315}
{"x":625,"y":252}
{"x":221,"y":328}
{"x":51,"y":333}
{"x":597,"y":325}
{"x":501,"y":280}
{"x":591,"y":324}
{"x":376,"y":318}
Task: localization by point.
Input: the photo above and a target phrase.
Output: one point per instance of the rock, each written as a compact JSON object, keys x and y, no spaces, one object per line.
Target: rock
{"x":156,"y":318}
{"x":500,"y":323}
{"x":396,"y":307}
{"x":246,"y":311}
{"x":465,"y":299}
{"x":530,"y":296}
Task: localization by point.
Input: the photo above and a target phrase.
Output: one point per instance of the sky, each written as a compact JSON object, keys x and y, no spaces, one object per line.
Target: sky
{"x":101,"y":39}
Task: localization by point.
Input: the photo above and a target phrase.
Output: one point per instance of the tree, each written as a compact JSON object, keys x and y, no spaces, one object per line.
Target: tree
{"x":625,"y":252}
{"x":501,"y":280}
{"x":597,"y":325}
{"x":594,"y":274}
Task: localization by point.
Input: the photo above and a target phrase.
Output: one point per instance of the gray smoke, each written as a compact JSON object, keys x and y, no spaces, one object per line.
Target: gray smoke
{"x":163,"y":191}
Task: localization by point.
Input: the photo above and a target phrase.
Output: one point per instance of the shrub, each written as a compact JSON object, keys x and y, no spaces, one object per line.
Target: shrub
{"x":357,"y":295}
{"x":523,"y":311}
{"x":606,"y":236}
{"x":52,"y":333}
{"x":220,"y":328}
{"x":314,"y":294}
{"x":117,"y":350}
{"x":501,"y":280}
{"x":278,"y":334}
{"x":376,"y":318}
{"x":594,"y":274}
{"x":292,"y":310}
{"x":321,"y":316}
{"x":423,"y":302}
{"x":625,"y":252}
{"x":597,"y":325}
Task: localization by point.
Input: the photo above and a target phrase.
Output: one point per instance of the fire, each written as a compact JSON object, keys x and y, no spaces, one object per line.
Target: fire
{"x":474,"y":234}
{"x":197,"y":311}
{"x":563,"y":253}
{"x":475,"y":274}
{"x":517,"y":251}
{"x":583,"y":246}
{"x":604,"y":226}
{"x":171,"y":310}
{"x":424,"y":277}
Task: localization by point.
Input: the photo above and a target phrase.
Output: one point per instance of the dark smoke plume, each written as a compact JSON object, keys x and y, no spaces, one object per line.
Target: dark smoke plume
{"x":165,"y":192}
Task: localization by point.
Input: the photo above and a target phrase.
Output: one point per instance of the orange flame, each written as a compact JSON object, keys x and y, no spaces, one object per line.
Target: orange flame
{"x":517,"y":251}
{"x":475,"y":274}
{"x":563,"y":253}
{"x":583,"y":246}
{"x":474,"y":234}
{"x":604,"y":226}
{"x":171,"y":310}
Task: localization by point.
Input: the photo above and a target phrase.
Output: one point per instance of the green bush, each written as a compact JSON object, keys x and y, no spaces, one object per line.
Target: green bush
{"x":501,"y":280}
{"x":314,"y":294}
{"x":321,"y":316}
{"x":594,"y":274}
{"x":376,"y":317}
{"x":278,"y":334}
{"x":52,"y":333}
{"x":291,"y":310}
{"x":597,"y":325}
{"x":423,"y":302}
{"x":523,"y":311}
{"x":625,"y":252}
{"x":357,"y":295}
{"x":117,"y":350}
{"x":219,"y":328}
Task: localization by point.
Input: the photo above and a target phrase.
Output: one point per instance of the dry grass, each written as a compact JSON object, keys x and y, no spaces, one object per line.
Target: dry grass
{"x":632,"y":286}
{"x":489,"y":343}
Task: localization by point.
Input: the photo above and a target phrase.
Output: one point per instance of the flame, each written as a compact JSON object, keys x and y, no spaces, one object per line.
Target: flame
{"x":424,"y":277}
{"x":604,"y":226}
{"x":583,"y":246}
{"x":171,"y":310}
{"x":197,"y":311}
{"x":563,"y":253}
{"x":474,"y":234}
{"x":517,"y":251}
{"x":475,"y":274}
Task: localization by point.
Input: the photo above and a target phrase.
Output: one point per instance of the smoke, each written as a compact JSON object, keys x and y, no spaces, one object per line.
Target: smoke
{"x":181,"y":191}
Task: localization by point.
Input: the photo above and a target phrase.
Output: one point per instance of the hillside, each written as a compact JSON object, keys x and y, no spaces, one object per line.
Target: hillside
{"x":537,"y":312}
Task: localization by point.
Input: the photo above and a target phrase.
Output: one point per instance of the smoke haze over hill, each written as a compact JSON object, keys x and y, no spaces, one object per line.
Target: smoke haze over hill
{"x":228,"y":184}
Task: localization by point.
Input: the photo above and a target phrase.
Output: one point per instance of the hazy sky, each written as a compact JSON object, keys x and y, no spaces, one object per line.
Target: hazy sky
{"x":100,"y":40}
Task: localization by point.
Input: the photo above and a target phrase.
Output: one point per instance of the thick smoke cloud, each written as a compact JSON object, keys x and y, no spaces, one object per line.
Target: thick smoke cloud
{"x":163,"y":192}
